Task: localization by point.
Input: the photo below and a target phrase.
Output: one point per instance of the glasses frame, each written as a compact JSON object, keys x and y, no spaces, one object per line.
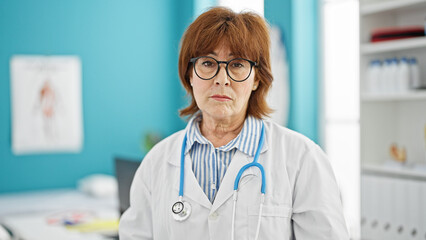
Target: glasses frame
{"x":252,"y":63}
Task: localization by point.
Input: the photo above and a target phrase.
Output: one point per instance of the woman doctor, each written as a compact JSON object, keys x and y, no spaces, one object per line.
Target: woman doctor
{"x":230,"y":174}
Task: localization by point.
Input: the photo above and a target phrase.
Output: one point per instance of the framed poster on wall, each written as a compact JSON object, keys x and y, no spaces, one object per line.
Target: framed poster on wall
{"x":46,"y":104}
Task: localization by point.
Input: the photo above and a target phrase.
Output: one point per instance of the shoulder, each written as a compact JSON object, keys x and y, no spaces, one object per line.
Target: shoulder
{"x":290,"y":139}
{"x":155,"y":161}
{"x":163,"y":152}
{"x":167,"y":146}
{"x":169,"y":142}
{"x":296,"y":150}
{"x":303,"y":158}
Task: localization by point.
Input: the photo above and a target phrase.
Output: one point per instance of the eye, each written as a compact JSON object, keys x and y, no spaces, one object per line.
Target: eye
{"x":207,"y":63}
{"x":237,"y":65}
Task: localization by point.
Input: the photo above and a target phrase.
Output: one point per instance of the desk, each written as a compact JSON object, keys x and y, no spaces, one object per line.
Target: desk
{"x":31,"y":215}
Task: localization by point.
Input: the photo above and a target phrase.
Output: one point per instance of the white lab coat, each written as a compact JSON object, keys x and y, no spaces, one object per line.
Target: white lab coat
{"x":302,"y":199}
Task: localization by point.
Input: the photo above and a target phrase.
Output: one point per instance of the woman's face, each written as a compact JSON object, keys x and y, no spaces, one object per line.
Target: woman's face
{"x":221,"y":98}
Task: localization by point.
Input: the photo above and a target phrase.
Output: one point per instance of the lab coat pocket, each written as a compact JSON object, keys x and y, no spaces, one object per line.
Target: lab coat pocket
{"x":275,"y":222}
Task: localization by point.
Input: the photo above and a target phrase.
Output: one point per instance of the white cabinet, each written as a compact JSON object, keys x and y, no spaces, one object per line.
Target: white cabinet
{"x":396,"y":118}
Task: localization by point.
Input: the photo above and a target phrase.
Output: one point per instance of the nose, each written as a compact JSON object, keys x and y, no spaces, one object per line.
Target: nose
{"x":222,"y":77}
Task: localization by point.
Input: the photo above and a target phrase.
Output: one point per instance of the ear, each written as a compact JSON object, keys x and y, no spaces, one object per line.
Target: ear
{"x":255,"y":85}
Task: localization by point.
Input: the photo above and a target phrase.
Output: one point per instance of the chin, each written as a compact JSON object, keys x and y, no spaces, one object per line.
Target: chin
{"x":219,"y":113}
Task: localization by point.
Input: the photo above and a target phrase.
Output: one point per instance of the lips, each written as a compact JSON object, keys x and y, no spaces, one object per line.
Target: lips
{"x":221,"y":98}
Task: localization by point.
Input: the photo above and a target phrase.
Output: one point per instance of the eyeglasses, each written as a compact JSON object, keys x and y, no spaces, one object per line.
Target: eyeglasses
{"x":238,"y":69}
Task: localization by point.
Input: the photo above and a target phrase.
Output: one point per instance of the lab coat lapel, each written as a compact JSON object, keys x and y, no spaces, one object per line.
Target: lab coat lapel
{"x":191,"y":188}
{"x":226,"y":188}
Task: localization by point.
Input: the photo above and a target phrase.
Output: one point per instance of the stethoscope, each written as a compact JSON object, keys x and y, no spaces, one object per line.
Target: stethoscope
{"x":182,"y":210}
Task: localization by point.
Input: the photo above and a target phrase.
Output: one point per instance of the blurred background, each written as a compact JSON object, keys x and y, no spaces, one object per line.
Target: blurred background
{"x":349,"y":74}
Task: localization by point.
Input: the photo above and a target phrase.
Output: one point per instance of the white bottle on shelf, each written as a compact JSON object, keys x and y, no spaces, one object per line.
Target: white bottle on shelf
{"x":373,"y":74}
{"x":369,"y":84}
{"x":403,"y":75}
{"x":378,"y":68}
{"x":415,"y":74}
{"x":393,"y":79}
{"x":384,"y":76}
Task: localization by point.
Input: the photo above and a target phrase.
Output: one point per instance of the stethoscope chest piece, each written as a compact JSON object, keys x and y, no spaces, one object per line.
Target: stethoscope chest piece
{"x":181,"y":210}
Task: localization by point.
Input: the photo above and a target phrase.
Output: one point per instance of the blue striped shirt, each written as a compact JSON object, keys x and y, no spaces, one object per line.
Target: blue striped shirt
{"x":209,"y":164}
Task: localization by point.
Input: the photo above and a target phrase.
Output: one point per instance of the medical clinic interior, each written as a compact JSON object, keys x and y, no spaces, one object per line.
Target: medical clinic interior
{"x":89,"y":87}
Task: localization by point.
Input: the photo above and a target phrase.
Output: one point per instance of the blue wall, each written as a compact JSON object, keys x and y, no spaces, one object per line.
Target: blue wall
{"x":278,"y":13}
{"x":299,"y":21}
{"x":129,"y":55}
{"x":305,"y":74}
{"x":129,"y":52}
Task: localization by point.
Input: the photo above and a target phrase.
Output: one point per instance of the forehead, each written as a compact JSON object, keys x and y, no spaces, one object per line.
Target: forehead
{"x":224,"y":48}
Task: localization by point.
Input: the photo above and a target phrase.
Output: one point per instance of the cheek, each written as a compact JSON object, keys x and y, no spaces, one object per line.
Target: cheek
{"x":199,"y":85}
{"x":244,"y":94}
{"x":247,"y":89}
{"x":199,"y":89}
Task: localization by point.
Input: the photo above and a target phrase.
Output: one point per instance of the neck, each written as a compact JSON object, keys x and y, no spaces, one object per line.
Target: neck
{"x":221,"y":131}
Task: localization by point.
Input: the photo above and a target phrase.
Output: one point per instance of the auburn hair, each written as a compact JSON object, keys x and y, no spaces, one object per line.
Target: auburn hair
{"x":247,"y":36}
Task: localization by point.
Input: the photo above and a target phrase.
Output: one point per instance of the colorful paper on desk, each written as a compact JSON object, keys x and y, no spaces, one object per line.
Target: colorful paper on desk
{"x":70,"y":217}
{"x":46,"y":104}
{"x":96,"y":226}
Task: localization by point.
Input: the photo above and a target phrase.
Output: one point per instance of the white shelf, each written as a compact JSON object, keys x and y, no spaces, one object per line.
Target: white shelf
{"x":409,"y":96}
{"x":384,"y":6}
{"x":391,"y":118}
{"x":393,"y":45}
{"x":401,"y":172}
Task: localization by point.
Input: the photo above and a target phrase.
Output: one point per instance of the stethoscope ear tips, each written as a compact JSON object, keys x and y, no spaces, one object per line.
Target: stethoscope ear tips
{"x":181,"y":210}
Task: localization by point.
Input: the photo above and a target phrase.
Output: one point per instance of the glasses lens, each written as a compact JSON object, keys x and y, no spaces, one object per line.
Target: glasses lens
{"x":205,"y":67}
{"x":239,"y":69}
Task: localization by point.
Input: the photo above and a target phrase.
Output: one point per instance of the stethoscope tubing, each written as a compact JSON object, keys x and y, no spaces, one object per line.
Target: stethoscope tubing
{"x":255,"y":163}
{"x":185,"y":211}
{"x":244,"y":168}
{"x":182,"y":167}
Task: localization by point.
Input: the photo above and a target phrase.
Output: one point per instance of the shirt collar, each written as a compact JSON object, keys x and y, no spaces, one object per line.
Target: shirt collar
{"x":246,"y":141}
{"x":193,"y":133}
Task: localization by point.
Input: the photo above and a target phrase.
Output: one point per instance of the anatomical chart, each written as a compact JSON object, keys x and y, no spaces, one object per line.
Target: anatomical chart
{"x":46,"y":104}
